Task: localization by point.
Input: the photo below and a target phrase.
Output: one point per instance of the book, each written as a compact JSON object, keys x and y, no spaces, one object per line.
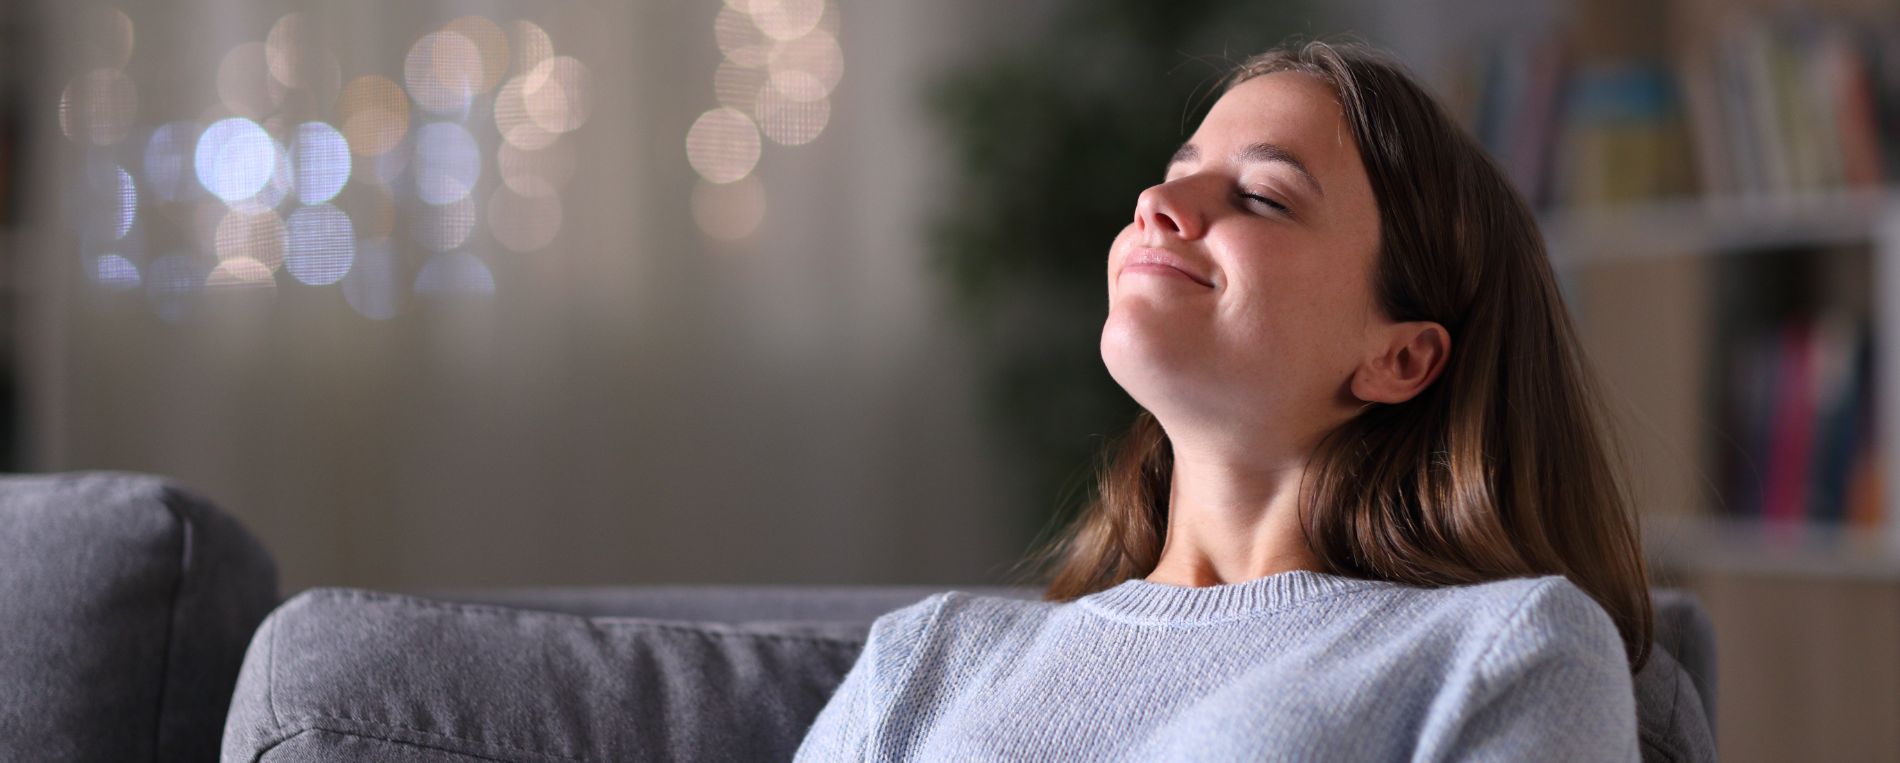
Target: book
{"x":1784,"y":484}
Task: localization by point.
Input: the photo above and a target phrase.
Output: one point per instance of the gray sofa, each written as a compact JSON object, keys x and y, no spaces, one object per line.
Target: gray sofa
{"x":144,"y":624}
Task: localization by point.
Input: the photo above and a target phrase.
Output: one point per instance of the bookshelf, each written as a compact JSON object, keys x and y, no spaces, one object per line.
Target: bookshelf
{"x":1714,"y":232}
{"x":1719,"y":186}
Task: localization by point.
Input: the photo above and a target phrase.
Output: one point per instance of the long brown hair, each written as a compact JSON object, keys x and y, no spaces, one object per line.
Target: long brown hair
{"x":1502,"y":468}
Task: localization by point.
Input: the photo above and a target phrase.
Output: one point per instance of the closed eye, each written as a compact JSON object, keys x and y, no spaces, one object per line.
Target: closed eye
{"x":1277,"y":206}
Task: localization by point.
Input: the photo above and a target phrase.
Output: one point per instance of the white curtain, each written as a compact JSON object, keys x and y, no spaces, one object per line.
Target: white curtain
{"x":506,"y":345}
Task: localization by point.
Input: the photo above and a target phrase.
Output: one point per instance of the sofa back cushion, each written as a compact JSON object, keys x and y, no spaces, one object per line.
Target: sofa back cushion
{"x":128,"y":603}
{"x":341,"y":674}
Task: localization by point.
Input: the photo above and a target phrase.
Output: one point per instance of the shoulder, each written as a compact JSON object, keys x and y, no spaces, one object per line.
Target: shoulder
{"x":1552,"y":610}
{"x":950,"y":615}
{"x":1483,"y":627}
{"x":1537,"y":666}
{"x":1511,"y":621}
{"x":1524,"y":601}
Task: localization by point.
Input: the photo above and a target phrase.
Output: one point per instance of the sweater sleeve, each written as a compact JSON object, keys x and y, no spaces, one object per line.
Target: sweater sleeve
{"x":1554,"y":684}
{"x":844,"y":729}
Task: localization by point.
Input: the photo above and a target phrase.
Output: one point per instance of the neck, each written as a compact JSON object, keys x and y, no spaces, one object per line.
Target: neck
{"x":1230,"y":522}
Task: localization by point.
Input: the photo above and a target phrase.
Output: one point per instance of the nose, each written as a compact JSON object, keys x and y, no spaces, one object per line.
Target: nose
{"x":1163,"y":208}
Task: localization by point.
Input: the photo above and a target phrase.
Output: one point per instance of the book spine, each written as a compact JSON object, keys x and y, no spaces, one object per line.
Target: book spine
{"x":1785,"y":487}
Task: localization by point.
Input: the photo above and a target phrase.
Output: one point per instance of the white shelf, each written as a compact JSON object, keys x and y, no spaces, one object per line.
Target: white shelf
{"x":1716,"y":225}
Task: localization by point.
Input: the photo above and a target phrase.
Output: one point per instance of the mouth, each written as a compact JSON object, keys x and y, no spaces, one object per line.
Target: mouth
{"x":1162,"y":262}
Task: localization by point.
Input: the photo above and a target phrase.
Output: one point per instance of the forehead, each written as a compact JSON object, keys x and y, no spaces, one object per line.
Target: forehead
{"x":1290,"y":109}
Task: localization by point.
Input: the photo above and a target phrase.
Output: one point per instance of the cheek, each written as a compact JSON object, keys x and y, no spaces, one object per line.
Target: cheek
{"x":1295,"y":312}
{"x":1115,"y":247}
{"x":1114,"y":257}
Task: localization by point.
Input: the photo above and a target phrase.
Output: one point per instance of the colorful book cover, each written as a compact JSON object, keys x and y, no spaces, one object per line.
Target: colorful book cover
{"x":1861,"y":160}
{"x":1785,"y":484}
{"x":1840,"y":351}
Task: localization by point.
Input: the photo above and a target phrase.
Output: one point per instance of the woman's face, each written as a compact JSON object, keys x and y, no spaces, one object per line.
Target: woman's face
{"x":1268,"y":207}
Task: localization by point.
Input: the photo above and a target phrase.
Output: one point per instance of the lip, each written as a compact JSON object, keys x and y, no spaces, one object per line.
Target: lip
{"x":1162,"y":257}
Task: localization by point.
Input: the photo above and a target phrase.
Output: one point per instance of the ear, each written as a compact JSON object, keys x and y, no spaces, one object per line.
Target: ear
{"x":1412,"y":355}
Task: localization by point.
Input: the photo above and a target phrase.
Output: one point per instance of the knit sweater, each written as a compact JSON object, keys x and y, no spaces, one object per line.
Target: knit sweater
{"x":1293,"y":666}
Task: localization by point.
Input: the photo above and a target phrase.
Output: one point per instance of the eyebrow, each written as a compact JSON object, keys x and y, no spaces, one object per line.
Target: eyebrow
{"x":1258,"y":152}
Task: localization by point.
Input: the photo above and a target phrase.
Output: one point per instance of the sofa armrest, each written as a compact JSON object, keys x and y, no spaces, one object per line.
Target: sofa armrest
{"x":128,"y":604}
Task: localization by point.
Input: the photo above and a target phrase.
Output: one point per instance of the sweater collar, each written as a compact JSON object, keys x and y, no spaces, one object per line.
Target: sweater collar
{"x":1142,"y":600}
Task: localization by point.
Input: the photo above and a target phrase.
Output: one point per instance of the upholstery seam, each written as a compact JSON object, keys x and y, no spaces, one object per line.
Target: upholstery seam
{"x":172,"y":614}
{"x":314,"y":721}
{"x":607,"y":623}
{"x":1675,"y":699}
{"x":270,"y":677}
{"x":1662,"y":742}
{"x":266,"y":749}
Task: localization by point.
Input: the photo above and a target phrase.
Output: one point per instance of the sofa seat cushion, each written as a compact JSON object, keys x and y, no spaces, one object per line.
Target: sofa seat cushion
{"x":334,"y":674}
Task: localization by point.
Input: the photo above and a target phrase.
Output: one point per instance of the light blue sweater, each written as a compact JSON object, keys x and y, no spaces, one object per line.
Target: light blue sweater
{"x":1293,"y":666}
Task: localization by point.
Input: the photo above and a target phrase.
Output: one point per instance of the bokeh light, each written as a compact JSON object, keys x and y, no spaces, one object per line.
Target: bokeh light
{"x":793,"y":120}
{"x":374,"y":113}
{"x":98,"y":107}
{"x":729,"y":211}
{"x":490,"y":43}
{"x":455,"y":274}
{"x":105,"y":38}
{"x":530,"y":45}
{"x":256,"y":235}
{"x":168,"y":160}
{"x":322,"y":243}
{"x":447,"y":162}
{"x":115,"y":273}
{"x":234,"y":159}
{"x":278,"y":186}
{"x":290,"y":168}
{"x":786,"y":19}
{"x":556,"y":94}
{"x":816,"y":54}
{"x":307,"y":70}
{"x":287,"y":50}
{"x":374,"y":287}
{"x":514,"y":123}
{"x":443,"y":72}
{"x":239,"y":273}
{"x":319,"y":162}
{"x":737,"y":86}
{"x":114,"y":200}
{"x":523,"y":223}
{"x":740,"y":39}
{"x":722,"y":145}
{"x":245,"y":85}
{"x":781,"y":65}
{"x":446,"y":226}
{"x":535,"y":173}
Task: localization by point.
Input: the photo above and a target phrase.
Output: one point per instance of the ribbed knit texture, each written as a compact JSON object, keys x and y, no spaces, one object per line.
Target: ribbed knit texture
{"x":1294,"y":666}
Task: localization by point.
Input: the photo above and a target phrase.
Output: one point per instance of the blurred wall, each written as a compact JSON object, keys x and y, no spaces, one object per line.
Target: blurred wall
{"x":635,"y":403}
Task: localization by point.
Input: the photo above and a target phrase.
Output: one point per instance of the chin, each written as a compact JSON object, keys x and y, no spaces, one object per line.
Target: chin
{"x":1143,"y":364}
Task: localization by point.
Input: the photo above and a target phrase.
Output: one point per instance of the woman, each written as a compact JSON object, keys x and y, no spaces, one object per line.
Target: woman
{"x":1366,"y":513}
